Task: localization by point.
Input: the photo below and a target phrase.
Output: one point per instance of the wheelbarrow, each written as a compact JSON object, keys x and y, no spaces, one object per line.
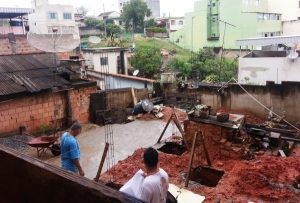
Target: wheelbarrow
{"x":44,"y":143}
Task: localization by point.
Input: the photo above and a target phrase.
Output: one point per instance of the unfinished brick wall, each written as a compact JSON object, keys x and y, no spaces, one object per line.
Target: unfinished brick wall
{"x":80,"y":103}
{"x":22,"y":46}
{"x":217,"y":141}
{"x":33,"y":112}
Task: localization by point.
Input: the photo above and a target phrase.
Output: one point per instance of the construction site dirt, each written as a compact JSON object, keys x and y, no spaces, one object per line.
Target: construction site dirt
{"x":265,"y":178}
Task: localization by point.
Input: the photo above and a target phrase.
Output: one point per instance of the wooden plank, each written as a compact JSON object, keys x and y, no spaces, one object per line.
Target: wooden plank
{"x":163,"y":132}
{"x":133,"y":97}
{"x":102,"y":162}
{"x":191,"y":160}
{"x":27,"y":179}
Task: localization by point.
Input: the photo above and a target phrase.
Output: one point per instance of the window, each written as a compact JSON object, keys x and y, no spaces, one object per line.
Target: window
{"x":299,"y":4}
{"x":278,"y":17}
{"x":104,"y":61}
{"x":67,"y":16}
{"x":273,"y":17}
{"x":52,"y":15}
{"x":260,"y":16}
{"x":172,"y":22}
{"x":180,"y":22}
{"x":266,"y":16}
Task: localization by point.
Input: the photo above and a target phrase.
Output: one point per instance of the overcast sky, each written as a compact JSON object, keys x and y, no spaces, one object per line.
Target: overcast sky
{"x":175,"y":7}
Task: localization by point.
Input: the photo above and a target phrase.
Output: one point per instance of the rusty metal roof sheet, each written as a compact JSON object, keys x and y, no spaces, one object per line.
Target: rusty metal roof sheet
{"x":28,"y":73}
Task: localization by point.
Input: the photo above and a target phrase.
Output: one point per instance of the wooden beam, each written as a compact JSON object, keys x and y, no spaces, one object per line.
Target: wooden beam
{"x":163,"y":132}
{"x":191,"y":160}
{"x":102,"y":162}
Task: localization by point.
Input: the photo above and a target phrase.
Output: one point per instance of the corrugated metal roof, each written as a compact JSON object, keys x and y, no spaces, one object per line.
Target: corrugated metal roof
{"x":266,"y":41}
{"x":28,"y":73}
{"x":14,"y":12}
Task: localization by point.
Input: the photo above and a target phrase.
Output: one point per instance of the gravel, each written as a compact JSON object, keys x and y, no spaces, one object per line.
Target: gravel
{"x":17,"y":142}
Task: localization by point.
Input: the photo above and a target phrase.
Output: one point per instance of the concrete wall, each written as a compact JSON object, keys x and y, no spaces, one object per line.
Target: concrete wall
{"x":43,"y":109}
{"x":39,"y":20}
{"x":243,"y":16}
{"x":25,"y":179}
{"x":284,"y":99}
{"x":289,"y":8}
{"x":260,"y":70}
{"x":291,"y":27}
{"x":94,"y":60}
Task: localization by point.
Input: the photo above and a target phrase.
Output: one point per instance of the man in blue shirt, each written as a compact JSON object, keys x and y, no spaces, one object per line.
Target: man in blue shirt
{"x":70,"y":152}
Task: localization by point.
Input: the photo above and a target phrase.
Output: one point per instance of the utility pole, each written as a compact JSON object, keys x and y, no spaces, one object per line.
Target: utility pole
{"x":105,"y":33}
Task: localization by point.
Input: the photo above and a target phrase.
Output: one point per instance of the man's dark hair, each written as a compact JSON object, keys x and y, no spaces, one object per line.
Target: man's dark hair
{"x":76,"y":126}
{"x":151,"y":157}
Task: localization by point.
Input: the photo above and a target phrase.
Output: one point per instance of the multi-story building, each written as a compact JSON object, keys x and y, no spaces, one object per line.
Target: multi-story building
{"x":48,"y":17}
{"x":172,"y":23}
{"x":153,"y":5}
{"x":219,"y":23}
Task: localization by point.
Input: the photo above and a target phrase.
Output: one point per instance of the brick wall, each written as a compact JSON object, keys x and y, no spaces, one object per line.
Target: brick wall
{"x":217,"y":141}
{"x":43,"y":109}
{"x":22,"y":46}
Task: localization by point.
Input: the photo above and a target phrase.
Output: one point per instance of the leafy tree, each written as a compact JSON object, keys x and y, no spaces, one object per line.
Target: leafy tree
{"x":93,"y":22}
{"x":134,"y":14}
{"x":212,"y":68}
{"x":113,"y":30}
{"x":150,"y":23}
{"x":148,"y":60}
{"x":182,"y":66}
{"x":109,"y":21}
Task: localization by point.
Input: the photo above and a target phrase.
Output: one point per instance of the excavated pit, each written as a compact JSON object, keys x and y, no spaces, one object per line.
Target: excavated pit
{"x":206,"y":176}
{"x":173,"y":148}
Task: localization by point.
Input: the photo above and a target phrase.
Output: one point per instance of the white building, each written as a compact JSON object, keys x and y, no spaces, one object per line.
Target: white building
{"x":174,"y":23}
{"x":290,"y":9}
{"x":261,"y":67}
{"x":113,"y":60}
{"x":49,"y":17}
{"x":113,"y":15}
{"x":153,"y":5}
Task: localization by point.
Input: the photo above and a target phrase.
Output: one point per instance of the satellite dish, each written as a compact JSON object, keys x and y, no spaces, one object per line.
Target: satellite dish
{"x":55,"y":40}
{"x":94,"y":40}
{"x":136,"y":72}
{"x":293,"y":55}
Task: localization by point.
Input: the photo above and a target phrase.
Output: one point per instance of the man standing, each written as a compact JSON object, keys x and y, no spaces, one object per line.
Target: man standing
{"x":70,"y":152}
{"x":152,"y":185}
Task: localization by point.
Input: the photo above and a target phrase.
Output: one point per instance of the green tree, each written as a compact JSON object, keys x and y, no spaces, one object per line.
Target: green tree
{"x":148,"y":60}
{"x":134,"y":14}
{"x":94,"y":22}
{"x":150,"y":23}
{"x":113,"y":30}
{"x":184,"y":67}
{"x":212,"y":68}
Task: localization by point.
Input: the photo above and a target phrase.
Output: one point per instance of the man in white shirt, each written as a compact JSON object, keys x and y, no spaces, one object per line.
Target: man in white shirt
{"x":152,"y":185}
